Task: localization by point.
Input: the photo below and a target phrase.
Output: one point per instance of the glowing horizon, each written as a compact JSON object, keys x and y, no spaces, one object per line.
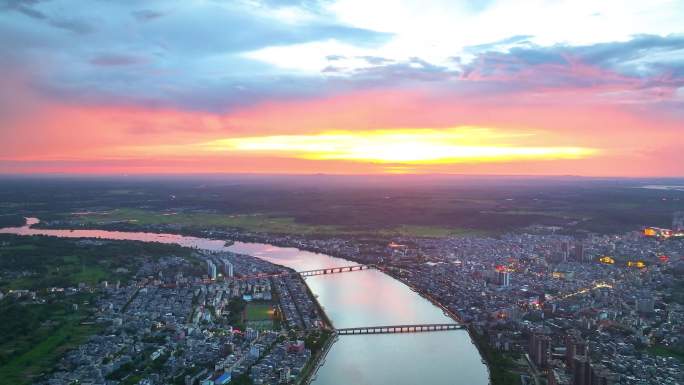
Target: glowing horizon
{"x":405,"y":146}
{"x":343,"y":87}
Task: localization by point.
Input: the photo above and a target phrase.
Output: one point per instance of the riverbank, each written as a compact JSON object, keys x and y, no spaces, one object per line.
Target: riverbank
{"x":351,"y":299}
{"x":319,"y":308}
{"x":316,"y":362}
{"x":228,"y":236}
{"x":494,"y":361}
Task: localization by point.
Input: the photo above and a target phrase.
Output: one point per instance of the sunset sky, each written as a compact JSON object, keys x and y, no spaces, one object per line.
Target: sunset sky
{"x":575,"y":87}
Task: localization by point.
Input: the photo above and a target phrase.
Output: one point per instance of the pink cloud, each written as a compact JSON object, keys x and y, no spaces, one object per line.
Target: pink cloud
{"x":47,"y":136}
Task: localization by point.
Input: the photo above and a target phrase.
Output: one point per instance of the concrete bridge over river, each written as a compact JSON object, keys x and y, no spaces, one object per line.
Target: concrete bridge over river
{"x":417,"y":328}
{"x":310,"y":273}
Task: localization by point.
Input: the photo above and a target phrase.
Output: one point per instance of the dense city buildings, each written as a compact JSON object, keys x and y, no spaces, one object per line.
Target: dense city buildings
{"x":542,"y":307}
{"x":601,"y":309}
{"x":170,"y":325}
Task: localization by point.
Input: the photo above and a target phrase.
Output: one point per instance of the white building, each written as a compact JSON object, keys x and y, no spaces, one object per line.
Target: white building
{"x":211,"y":269}
{"x":228,"y":268}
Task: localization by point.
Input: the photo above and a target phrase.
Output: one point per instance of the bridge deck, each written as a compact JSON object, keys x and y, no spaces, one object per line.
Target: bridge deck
{"x":335,"y":270}
{"x":309,"y":273}
{"x":418,"y":328}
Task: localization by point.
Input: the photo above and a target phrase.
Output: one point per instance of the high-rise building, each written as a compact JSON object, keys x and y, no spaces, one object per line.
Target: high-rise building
{"x":254,"y":351}
{"x":228,"y":268}
{"x":580,"y":252}
{"x":284,"y":375}
{"x":503,"y":278}
{"x":574,"y":346}
{"x":211,"y":269}
{"x":539,"y":349}
{"x":678,"y":221}
{"x":565,"y":250}
{"x":581,"y":371}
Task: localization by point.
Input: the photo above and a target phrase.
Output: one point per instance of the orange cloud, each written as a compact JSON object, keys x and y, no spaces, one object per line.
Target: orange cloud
{"x":406,"y":146}
{"x":378,"y":131}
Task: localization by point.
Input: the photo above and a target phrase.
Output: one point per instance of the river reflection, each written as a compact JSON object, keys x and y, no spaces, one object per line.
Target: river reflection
{"x":186,"y":241}
{"x":362,"y":298}
{"x":371,"y":298}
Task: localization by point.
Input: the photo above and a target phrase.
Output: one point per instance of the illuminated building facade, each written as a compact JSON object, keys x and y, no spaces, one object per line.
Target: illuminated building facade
{"x":657,"y":232}
{"x":607,"y":260}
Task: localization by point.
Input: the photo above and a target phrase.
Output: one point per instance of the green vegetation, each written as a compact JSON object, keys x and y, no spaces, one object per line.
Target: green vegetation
{"x":35,"y":333}
{"x":236,"y":311}
{"x":10,"y":220}
{"x":344,"y":205}
{"x":500,"y":365}
{"x":259,"y":311}
{"x":256,"y":223}
{"x":132,"y":372}
{"x":546,"y":213}
{"x":665,"y":351}
{"x":250,"y":222}
{"x":429,"y":231}
{"x":315,"y":341}
{"x":42,"y":262}
{"x":259,"y":315}
{"x":242,"y":379}
{"x":34,"y":336}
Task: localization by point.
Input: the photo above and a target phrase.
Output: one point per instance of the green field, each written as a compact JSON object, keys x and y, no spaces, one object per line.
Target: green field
{"x":18,"y":248}
{"x":250,"y":222}
{"x":541,"y":213}
{"x":259,"y":316}
{"x":35,"y":337}
{"x":259,"y":312}
{"x":429,"y":231}
{"x":46,"y":262}
{"x":258,"y":223}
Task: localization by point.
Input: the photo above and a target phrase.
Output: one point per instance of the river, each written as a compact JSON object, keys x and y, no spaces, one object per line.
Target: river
{"x":363,"y":298}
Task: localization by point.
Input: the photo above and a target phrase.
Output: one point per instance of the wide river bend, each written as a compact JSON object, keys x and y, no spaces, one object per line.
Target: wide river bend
{"x":363,"y":298}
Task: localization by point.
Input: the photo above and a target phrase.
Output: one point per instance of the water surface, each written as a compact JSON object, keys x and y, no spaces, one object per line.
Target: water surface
{"x":357,"y":299}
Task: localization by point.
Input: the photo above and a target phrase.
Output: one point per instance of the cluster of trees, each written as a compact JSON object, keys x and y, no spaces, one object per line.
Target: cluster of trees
{"x":316,"y":340}
{"x":501,"y":366}
{"x":62,"y":262}
{"x":236,"y":317}
{"x":355,"y":204}
{"x":12,"y":220}
{"x":19,"y":320}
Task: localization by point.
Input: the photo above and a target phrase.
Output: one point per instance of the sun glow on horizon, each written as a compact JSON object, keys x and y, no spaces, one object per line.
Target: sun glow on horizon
{"x":403,"y":146}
